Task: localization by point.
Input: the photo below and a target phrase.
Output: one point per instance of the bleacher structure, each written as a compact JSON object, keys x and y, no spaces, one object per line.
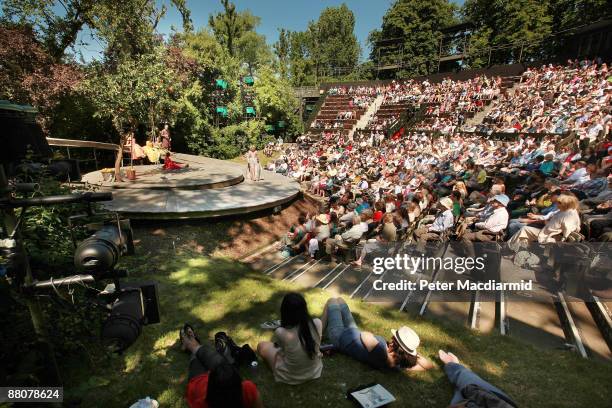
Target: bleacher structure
{"x":552,"y":320}
{"x":545,"y":318}
{"x":402,"y":111}
{"x":328,"y":114}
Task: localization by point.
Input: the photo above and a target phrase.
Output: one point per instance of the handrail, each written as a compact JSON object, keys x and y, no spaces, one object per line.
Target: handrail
{"x":82,"y":143}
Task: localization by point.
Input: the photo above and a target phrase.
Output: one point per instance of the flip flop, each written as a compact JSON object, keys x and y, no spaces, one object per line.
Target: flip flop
{"x":271,"y":325}
{"x":188,"y":331}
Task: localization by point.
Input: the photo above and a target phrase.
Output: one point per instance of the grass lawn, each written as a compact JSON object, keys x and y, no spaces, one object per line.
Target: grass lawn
{"x":217,"y":294}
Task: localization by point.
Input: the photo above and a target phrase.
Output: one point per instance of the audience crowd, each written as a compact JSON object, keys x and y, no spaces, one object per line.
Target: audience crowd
{"x":548,"y":180}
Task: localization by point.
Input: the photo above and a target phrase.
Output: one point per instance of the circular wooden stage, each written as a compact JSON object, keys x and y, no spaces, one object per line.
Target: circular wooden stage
{"x":208,"y":188}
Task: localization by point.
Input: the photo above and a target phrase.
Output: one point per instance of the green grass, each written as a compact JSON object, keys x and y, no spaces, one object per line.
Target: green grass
{"x":221,"y":294}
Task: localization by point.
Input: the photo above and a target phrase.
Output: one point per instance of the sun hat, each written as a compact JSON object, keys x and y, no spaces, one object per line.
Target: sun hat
{"x":322,"y":218}
{"x":502,"y":199}
{"x":446,"y":202}
{"x":407,"y":339}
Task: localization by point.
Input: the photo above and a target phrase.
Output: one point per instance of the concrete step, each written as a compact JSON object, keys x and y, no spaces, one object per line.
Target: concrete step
{"x":294,"y":264}
{"x":588,"y":331}
{"x":601,"y":311}
{"x":534,"y":321}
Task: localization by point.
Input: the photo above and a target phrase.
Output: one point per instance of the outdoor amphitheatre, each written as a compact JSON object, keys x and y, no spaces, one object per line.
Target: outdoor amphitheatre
{"x":306,"y":204}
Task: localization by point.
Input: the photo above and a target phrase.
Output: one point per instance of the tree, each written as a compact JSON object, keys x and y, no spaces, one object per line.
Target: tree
{"x":282,"y":48}
{"x":333,"y":43}
{"x":571,"y":13}
{"x":140,"y":91}
{"x":508,"y":23}
{"x":29,"y":75}
{"x":125,"y":27}
{"x":413,"y":27}
{"x":230,"y":25}
{"x":328,"y":48}
{"x":276,"y":100}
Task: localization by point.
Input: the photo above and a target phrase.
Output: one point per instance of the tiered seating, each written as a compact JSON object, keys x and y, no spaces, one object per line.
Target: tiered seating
{"x":330,"y":117}
{"x":552,"y":99}
{"x":386,"y":115}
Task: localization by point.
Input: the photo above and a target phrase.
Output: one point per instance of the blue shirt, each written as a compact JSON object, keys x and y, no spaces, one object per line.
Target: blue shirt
{"x":547,"y":167}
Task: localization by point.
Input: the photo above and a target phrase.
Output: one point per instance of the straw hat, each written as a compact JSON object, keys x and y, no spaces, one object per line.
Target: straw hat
{"x":407,"y":339}
{"x":323,"y":219}
{"x":446,"y":202}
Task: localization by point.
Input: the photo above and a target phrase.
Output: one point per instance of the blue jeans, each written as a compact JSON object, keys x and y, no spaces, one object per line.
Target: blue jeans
{"x":514,"y":226}
{"x":339,"y":317}
{"x":461,"y":377}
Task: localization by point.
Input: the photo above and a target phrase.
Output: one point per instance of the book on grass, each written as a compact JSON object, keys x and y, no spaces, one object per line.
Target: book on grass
{"x":371,"y":396}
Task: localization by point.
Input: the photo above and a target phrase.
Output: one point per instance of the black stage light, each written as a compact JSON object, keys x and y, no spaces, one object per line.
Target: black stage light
{"x":134,"y":307}
{"x":101,"y":251}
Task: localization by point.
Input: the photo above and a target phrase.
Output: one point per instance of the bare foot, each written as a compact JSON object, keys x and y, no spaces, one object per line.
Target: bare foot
{"x":188,"y":340}
{"x":447,"y":357}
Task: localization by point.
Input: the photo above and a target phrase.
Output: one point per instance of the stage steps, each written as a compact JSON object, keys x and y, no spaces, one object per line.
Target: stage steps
{"x":551,"y":321}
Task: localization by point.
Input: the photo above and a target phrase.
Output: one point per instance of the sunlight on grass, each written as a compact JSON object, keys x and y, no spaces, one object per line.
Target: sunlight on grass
{"x":217,"y":294}
{"x":133,"y":362}
{"x":169,"y":398}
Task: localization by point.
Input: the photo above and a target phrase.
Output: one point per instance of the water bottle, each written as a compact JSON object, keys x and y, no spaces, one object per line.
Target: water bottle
{"x":253,"y":368}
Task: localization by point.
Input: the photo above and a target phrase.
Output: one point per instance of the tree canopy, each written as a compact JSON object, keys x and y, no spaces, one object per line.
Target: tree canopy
{"x":410,"y":35}
{"x":144,"y":78}
{"x":328,"y":48}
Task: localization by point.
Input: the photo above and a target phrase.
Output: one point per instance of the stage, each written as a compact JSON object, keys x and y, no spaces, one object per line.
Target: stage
{"x":207,"y":188}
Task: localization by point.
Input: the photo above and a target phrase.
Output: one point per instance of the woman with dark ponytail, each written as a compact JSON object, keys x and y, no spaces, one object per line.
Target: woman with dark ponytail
{"x":294,"y":354}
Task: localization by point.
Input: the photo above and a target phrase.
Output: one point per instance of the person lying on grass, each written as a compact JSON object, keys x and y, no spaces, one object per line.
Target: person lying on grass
{"x":212,"y":381}
{"x":398,"y":353}
{"x":471,"y":391}
{"x":294,"y":354}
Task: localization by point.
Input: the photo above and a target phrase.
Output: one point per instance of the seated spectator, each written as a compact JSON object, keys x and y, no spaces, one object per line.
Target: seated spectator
{"x":470,"y":389}
{"x":399,"y":353}
{"x":347,"y":238}
{"x":290,"y":243}
{"x":578,"y":176}
{"x":534,"y":219}
{"x":496,"y":222}
{"x":388,"y":234}
{"x":547,"y":166}
{"x":442,"y":223}
{"x":559,"y":226}
{"x":294,"y":355}
{"x":321,"y":233}
{"x":212,"y":381}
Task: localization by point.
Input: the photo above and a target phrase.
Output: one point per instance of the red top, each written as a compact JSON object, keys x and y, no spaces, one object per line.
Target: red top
{"x":198,"y":386}
{"x":377,"y":216}
{"x":170,"y":165}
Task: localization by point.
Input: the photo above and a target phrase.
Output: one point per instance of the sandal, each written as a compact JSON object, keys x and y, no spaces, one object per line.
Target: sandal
{"x":187,"y":331}
{"x":271,"y":325}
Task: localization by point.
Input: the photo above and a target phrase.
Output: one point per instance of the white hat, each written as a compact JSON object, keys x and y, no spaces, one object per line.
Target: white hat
{"x":407,"y":339}
{"x":446,"y":202}
{"x":323,"y":219}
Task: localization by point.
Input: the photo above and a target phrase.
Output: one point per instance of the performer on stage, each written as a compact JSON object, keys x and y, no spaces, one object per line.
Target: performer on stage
{"x":136,"y":151}
{"x":253,"y":164}
{"x":169,"y":164}
{"x":165,"y":137}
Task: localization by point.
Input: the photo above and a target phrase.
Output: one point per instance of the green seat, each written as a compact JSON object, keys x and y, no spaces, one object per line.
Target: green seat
{"x":222,"y":111}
